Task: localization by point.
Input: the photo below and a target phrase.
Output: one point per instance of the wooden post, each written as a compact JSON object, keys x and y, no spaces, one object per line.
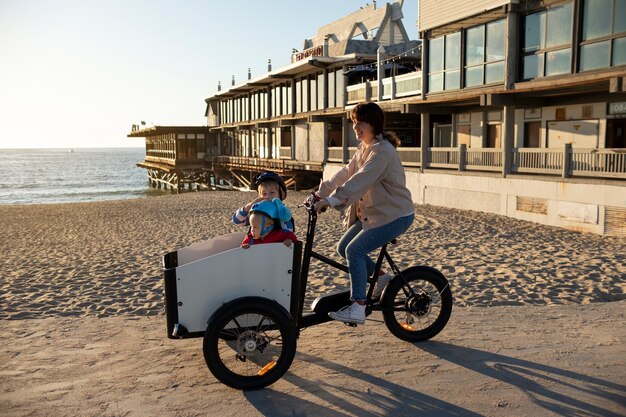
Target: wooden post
{"x":567,"y":160}
{"x":508,"y":133}
{"x":345,"y":128}
{"x":425,"y":139}
{"x":462,"y":157}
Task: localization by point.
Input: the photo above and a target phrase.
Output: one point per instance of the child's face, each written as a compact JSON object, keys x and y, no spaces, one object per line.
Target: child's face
{"x":258,"y":228}
{"x":269,"y":191}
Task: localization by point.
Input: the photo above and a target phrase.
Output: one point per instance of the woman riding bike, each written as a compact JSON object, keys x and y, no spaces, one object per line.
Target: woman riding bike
{"x":371,"y":191}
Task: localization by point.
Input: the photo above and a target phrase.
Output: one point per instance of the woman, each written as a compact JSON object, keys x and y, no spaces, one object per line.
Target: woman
{"x":373,"y":187}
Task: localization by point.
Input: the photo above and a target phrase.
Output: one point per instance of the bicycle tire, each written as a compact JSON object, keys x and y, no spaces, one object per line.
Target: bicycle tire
{"x":249,"y":343}
{"x":419,"y":315}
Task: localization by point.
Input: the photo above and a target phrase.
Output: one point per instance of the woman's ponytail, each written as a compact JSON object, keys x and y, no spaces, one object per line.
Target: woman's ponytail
{"x":392,"y":138}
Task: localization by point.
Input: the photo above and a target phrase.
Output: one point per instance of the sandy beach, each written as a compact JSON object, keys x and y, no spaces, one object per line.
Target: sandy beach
{"x":537,"y":326}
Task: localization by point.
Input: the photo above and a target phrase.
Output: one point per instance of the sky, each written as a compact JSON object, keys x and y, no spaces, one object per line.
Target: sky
{"x":80,"y":73}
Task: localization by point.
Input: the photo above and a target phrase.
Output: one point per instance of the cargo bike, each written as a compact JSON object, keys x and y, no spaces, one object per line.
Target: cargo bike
{"x":248,"y":304}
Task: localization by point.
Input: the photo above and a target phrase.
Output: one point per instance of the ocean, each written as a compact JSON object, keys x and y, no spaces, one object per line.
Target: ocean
{"x":44,"y":176}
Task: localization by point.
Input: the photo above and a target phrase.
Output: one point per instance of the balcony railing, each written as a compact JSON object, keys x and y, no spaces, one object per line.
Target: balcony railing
{"x":599,"y":163}
{"x":538,"y":160}
{"x":335,"y":154}
{"x":411,"y":157}
{"x":483,"y":159}
{"x":399,"y":86}
{"x":444,"y":158}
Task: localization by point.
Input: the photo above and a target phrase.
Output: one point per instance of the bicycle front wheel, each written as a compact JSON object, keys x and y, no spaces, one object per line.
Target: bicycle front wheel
{"x":249,"y":344}
{"x":418,"y":309}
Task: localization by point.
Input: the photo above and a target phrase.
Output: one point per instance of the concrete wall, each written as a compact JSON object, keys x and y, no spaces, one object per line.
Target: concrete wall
{"x":571,"y":204}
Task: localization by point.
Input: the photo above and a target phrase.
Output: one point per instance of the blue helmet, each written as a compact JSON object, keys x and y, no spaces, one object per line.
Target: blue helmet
{"x":274,"y":209}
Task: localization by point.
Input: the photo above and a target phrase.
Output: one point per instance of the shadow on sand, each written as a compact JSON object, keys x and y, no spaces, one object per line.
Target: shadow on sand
{"x":389,"y":398}
{"x":557,"y":390}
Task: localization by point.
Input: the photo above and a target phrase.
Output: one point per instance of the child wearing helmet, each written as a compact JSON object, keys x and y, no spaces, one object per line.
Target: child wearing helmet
{"x":269,"y":185}
{"x":265,"y":220}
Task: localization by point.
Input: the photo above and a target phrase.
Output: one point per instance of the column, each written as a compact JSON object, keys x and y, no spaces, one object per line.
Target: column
{"x":425,"y":140}
{"x":508,"y":133}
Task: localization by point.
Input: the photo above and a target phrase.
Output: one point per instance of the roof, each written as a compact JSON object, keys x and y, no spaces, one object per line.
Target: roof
{"x":160,"y":130}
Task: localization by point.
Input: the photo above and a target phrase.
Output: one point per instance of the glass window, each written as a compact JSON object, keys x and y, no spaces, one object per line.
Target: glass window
{"x":473,"y":76}
{"x":445,"y":63}
{"x":435,"y":82}
{"x":558,"y":62}
{"x":453,"y":51}
{"x":604,"y":31}
{"x":559,"y":26}
{"x":544,"y":33}
{"x":475,"y":46}
{"x":495,"y":40}
{"x":434,"y":56}
{"x":597,"y":18}
{"x":494,"y":72}
{"x":594,"y":55}
{"x":619,"y":51}
{"x":619,"y":17}
{"x":484,"y":58}
{"x":452,"y":79}
{"x":534,"y":32}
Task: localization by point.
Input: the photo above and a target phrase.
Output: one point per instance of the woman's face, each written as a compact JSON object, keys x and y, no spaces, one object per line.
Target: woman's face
{"x":364,"y":131}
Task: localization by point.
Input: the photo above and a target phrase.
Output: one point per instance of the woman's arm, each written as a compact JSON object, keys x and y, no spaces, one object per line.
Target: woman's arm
{"x":327,"y":187}
{"x":356,"y":186}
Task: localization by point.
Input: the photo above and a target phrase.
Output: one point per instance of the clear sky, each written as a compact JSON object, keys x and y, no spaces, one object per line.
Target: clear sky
{"x":79,"y":73}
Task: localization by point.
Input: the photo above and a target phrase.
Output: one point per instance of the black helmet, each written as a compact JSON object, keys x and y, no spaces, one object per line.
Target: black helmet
{"x":270,"y":176}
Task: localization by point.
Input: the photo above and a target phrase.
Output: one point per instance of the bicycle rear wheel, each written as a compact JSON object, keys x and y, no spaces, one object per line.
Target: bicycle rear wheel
{"x":250,"y":343}
{"x":418,"y":309}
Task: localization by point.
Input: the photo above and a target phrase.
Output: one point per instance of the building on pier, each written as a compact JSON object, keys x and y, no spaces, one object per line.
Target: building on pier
{"x":178,"y":156}
{"x":514,"y":107}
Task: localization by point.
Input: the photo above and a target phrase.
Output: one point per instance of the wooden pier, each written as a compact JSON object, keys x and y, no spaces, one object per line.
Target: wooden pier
{"x":183,"y":158}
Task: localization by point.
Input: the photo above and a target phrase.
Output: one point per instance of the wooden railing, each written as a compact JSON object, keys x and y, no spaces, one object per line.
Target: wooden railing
{"x":161,"y":154}
{"x":566,"y":162}
{"x":538,"y":160}
{"x":399,"y":86}
{"x":599,"y":163}
{"x":482,"y":159}
{"x":411,"y":157}
{"x":444,"y":158}
{"x":335,"y":154}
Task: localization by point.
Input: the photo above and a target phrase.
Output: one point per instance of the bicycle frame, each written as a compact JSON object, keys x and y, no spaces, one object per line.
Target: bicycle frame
{"x":334,"y":301}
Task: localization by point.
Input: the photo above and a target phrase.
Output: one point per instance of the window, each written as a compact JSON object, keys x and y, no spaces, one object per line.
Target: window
{"x":445,"y":63}
{"x":604,"y":34}
{"x":547,"y":42}
{"x":484,"y":53}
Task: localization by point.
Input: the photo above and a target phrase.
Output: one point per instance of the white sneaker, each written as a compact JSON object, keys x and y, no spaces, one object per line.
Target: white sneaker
{"x":382,"y":282}
{"x":354,"y":313}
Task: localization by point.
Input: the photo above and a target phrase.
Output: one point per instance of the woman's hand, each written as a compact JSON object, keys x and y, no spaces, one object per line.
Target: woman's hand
{"x":321,"y":205}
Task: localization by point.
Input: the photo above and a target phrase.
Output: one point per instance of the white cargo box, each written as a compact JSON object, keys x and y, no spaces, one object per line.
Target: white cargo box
{"x":208,"y":274}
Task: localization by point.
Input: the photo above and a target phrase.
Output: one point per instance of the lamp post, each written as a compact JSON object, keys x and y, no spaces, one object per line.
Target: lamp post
{"x":380,"y":72}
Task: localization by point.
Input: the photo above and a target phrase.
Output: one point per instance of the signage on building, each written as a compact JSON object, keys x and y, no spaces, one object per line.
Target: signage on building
{"x":315,"y":51}
{"x":617,"y":108}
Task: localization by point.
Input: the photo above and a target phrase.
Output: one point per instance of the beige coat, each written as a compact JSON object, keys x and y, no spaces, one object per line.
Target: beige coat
{"x":374,"y":179}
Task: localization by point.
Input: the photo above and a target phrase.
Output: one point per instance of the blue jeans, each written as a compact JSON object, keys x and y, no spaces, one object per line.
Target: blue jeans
{"x":355,"y":245}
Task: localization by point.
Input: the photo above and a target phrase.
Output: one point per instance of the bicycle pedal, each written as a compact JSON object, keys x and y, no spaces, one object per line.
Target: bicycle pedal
{"x":350,"y":324}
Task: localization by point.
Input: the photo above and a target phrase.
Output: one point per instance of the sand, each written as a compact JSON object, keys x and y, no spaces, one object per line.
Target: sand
{"x":537,"y":326}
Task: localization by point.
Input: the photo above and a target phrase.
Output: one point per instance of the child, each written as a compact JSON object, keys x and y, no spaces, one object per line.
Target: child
{"x":265,"y":220}
{"x":269,"y":185}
